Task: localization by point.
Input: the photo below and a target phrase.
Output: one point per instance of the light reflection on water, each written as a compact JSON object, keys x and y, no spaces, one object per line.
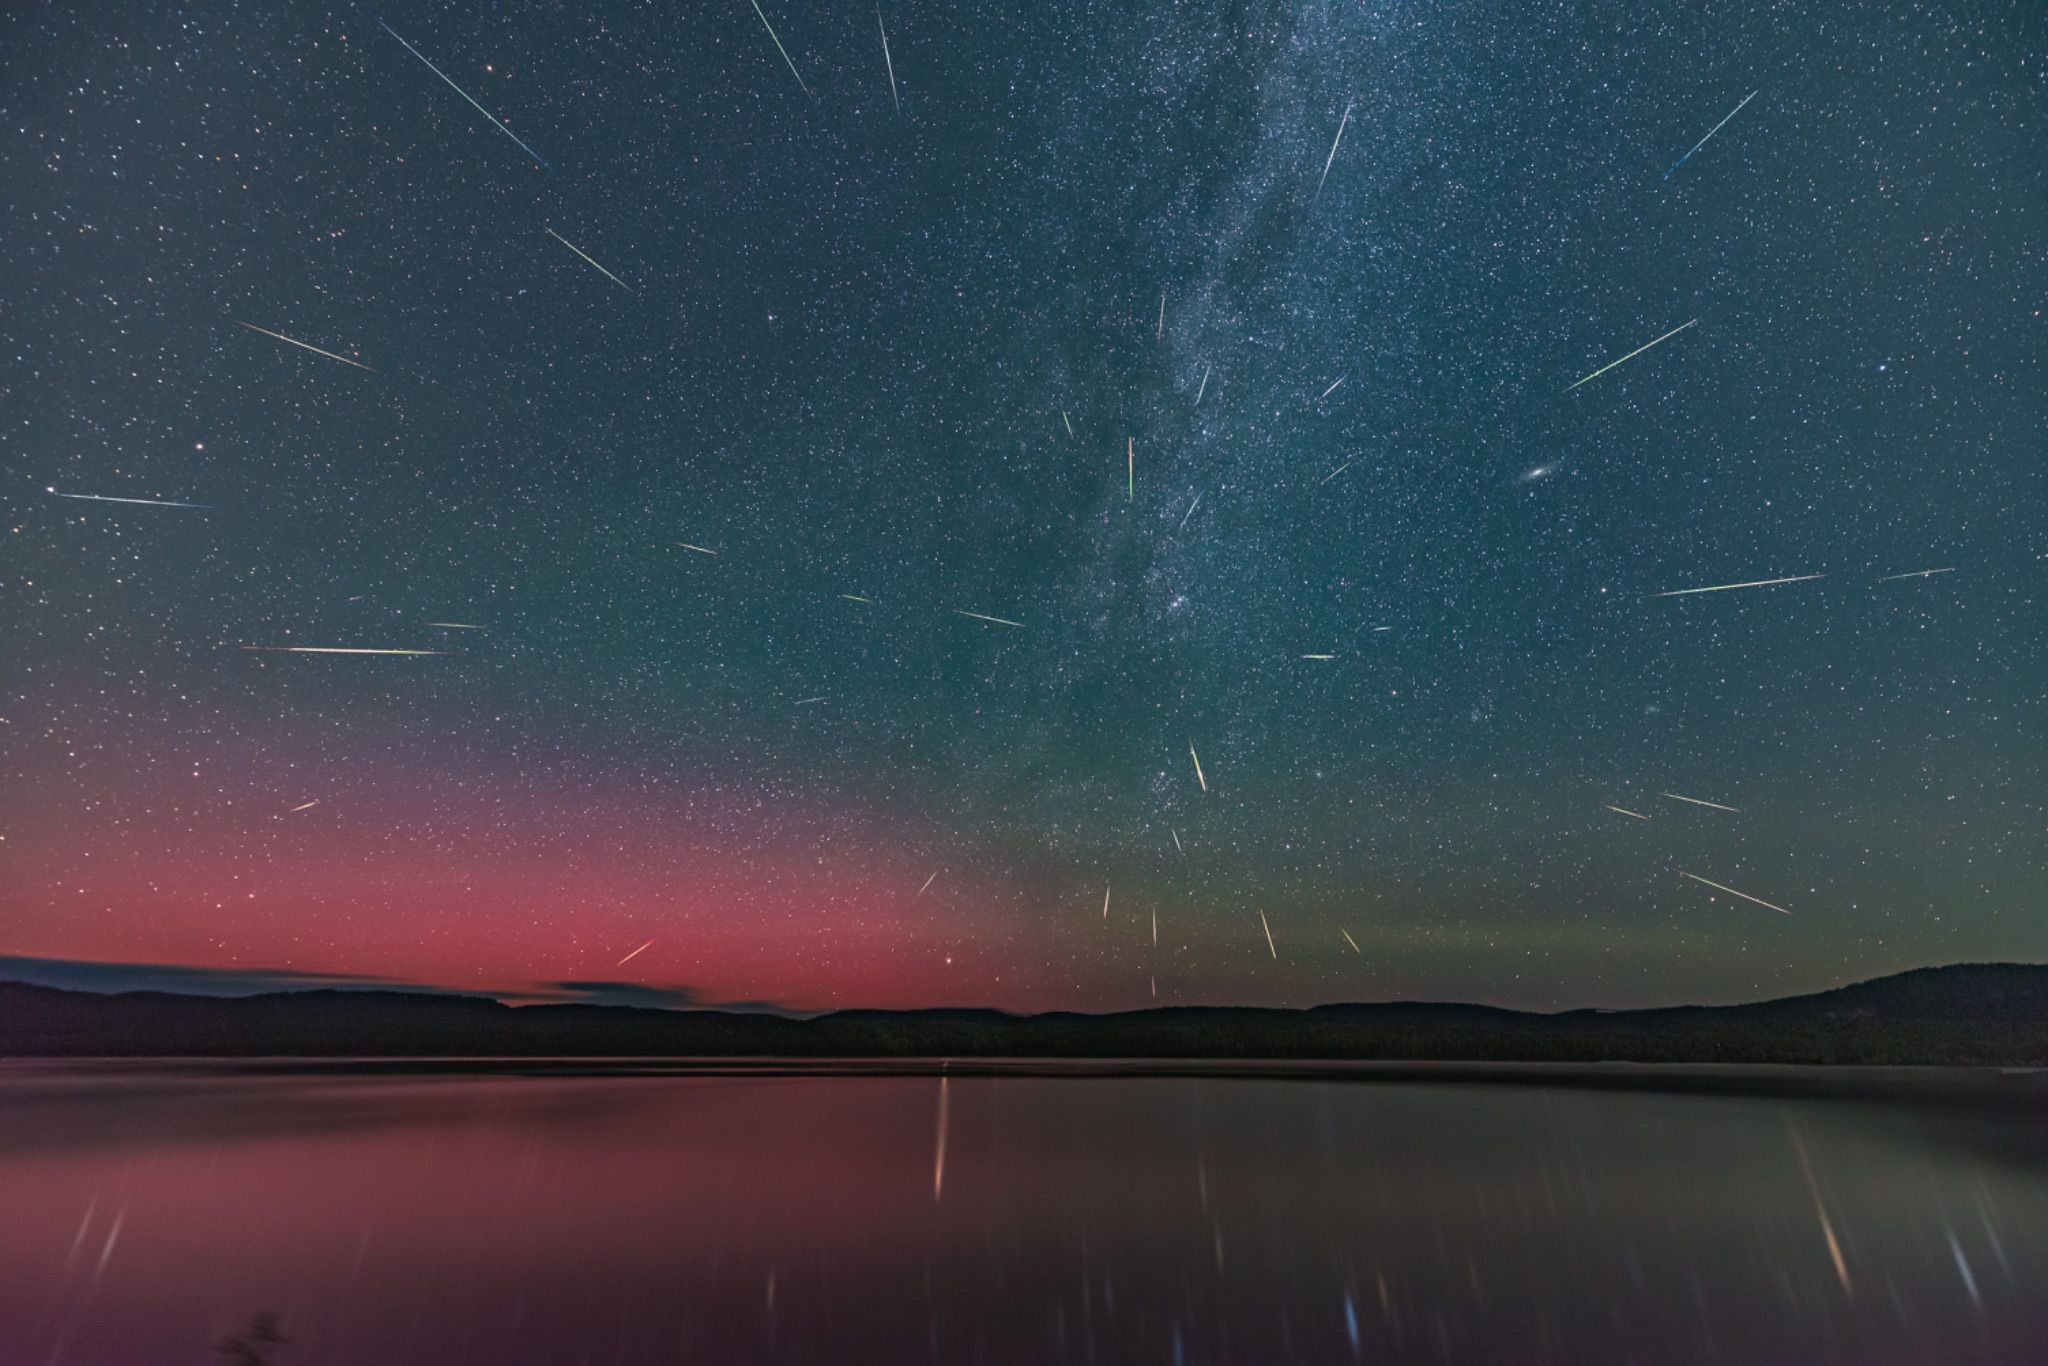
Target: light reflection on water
{"x":150,"y":1212}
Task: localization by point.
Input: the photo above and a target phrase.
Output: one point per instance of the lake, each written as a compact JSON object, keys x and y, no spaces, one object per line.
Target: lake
{"x":782,"y":1213}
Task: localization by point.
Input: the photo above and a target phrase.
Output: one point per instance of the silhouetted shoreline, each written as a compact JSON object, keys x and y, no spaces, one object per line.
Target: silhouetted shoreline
{"x":1970,"y":1015}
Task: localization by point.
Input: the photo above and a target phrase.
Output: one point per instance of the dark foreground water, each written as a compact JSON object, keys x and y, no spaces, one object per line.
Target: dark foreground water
{"x":396,"y":1218}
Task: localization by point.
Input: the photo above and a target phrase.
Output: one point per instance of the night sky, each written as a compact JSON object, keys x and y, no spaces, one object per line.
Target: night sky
{"x":843,"y":350}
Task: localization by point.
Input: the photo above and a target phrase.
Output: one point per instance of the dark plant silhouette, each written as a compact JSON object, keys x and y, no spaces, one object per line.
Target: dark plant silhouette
{"x":254,"y":1346}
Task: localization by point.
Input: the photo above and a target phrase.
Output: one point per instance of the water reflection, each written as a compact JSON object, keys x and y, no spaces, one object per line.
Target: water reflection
{"x":972,"y":1218}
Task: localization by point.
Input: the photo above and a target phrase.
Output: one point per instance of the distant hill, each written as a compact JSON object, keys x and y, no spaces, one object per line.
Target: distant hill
{"x":1978,"y":1014}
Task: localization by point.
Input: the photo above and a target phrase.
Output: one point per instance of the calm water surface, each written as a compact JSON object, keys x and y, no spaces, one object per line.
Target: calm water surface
{"x":149,"y":1212}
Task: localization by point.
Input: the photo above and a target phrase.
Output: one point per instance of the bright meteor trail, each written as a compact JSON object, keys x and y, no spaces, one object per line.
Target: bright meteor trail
{"x":792,"y":65}
{"x":339,"y":650}
{"x":1341,"y":123}
{"x":460,"y":91}
{"x":579,"y":251}
{"x":109,"y":498}
{"x":1710,"y":133}
{"x":1696,"y":801}
{"x":1732,"y":892}
{"x":1000,"y":621}
{"x":296,"y":342}
{"x":1198,"y":766}
{"x":1724,"y":587}
{"x":1631,"y":355}
{"x":885,"y":59}
{"x":635,"y":953}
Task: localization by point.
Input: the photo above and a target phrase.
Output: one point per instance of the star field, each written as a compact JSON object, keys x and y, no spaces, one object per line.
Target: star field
{"x":893,"y":368}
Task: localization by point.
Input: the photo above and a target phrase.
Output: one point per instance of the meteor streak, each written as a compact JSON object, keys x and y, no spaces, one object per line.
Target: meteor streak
{"x":698,"y":548}
{"x":1189,"y":513}
{"x":1176,"y":840}
{"x":1710,"y":133}
{"x":144,"y":502}
{"x":1319,"y":656}
{"x":1000,"y":621}
{"x":928,"y":883}
{"x":1130,"y":468}
{"x":460,"y":91}
{"x":1917,"y":574}
{"x":1069,"y":421}
{"x":1333,"y":152}
{"x":1697,"y":802}
{"x":580,"y":252}
{"x":885,"y":59}
{"x":1155,"y":927}
{"x":1732,"y":892}
{"x":855,"y":597}
{"x":296,"y":342}
{"x":339,"y":650}
{"x":1349,"y":940}
{"x":1161,"y":333}
{"x":457,"y":626}
{"x":1339,"y":470}
{"x":635,"y":953}
{"x":1205,"y":385}
{"x":1269,"y":935}
{"x":1630,"y":356}
{"x":785,"y":51}
{"x":810,"y":701}
{"x":1332,"y":389}
{"x":1626,"y":812}
{"x":1105,"y":903}
{"x":1724,"y":587}
{"x":1198,"y":766}
{"x":304,"y":806}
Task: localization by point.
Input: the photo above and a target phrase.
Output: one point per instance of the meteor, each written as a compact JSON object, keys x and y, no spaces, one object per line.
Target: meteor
{"x":1626,"y":812}
{"x":1349,"y":940}
{"x":296,"y":342}
{"x":1176,"y":840}
{"x":809,"y":701}
{"x":1697,"y":802}
{"x":1155,"y":928}
{"x":1710,"y":133}
{"x":1161,"y":333}
{"x":1000,"y":621}
{"x":1724,"y":587}
{"x":1333,"y":152}
{"x":785,"y":51}
{"x":635,"y":953}
{"x":339,"y":650}
{"x":143,"y":502}
{"x":1069,"y":421}
{"x":885,"y":60}
{"x":1269,"y":935}
{"x":306,"y":806}
{"x":460,"y":91}
{"x":1189,"y":513}
{"x":928,"y":883}
{"x":698,"y":548}
{"x":1732,"y":892}
{"x":1319,"y":656}
{"x":1130,"y":468}
{"x":1105,"y":903}
{"x":457,"y":626}
{"x":855,"y":597}
{"x":580,"y":252}
{"x":1917,"y":574}
{"x":1205,"y":385}
{"x":1332,"y":389}
{"x":1339,"y":470}
{"x":1198,"y":766}
{"x":1630,"y":356}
